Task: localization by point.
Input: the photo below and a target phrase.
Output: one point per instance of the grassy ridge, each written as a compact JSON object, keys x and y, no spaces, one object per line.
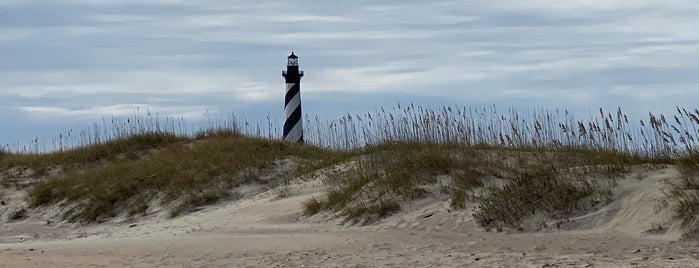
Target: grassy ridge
{"x":544,"y":192}
{"x":81,"y":157}
{"x":551,"y":163}
{"x":556,"y":183}
{"x":389,"y":174}
{"x":182,"y":172}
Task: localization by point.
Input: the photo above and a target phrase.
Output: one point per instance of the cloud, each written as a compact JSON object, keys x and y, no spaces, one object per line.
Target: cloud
{"x":654,"y":91}
{"x":588,"y":6}
{"x":93,"y":2}
{"x":12,"y":35}
{"x":101,"y":82}
{"x":70,"y":58}
{"x":113,"y":110}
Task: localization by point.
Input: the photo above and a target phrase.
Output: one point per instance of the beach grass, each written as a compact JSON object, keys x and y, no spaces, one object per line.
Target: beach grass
{"x":177,"y":172}
{"x":547,"y":162}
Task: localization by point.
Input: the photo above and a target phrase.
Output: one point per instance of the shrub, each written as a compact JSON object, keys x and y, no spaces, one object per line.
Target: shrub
{"x":540,"y":191}
{"x":368,"y":213}
{"x":311,"y":206}
{"x":393,"y":173}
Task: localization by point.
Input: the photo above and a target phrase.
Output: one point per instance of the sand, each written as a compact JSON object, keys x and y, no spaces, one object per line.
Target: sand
{"x":265,"y":230}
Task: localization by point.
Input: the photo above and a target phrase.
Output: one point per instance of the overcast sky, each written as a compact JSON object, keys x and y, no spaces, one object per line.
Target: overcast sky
{"x":64,"y":64}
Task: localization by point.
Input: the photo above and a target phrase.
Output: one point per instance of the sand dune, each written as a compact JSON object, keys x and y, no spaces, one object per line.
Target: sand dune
{"x":266,"y":230}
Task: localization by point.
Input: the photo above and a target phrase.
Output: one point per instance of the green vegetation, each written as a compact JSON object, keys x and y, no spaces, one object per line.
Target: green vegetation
{"x":124,"y":147}
{"x":540,"y":192}
{"x":178,"y":171}
{"x":686,"y":194}
{"x":312,"y":206}
{"x":389,"y":174}
{"x":551,"y":163}
{"x":511,"y":165}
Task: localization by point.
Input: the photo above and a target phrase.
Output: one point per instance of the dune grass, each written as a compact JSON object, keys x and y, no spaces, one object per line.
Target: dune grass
{"x":549,"y":162}
{"x":544,"y":191}
{"x":81,"y":157}
{"x":181,"y":174}
{"x":387,"y":175}
{"x":685,"y":194}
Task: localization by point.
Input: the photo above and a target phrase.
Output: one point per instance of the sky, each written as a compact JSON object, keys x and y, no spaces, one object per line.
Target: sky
{"x":65,"y":64}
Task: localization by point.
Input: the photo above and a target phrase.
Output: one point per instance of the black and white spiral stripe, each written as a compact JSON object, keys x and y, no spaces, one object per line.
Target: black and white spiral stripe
{"x":293,"y":127}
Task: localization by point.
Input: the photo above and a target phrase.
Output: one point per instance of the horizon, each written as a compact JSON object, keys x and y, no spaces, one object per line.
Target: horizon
{"x":67,"y":64}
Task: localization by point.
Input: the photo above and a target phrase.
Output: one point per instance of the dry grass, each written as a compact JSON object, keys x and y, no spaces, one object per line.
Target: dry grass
{"x":544,"y":191}
{"x":686,"y":194}
{"x":408,"y":147}
{"x":389,"y":174}
{"x":125,"y":147}
{"x":552,"y":163}
{"x":183,"y":175}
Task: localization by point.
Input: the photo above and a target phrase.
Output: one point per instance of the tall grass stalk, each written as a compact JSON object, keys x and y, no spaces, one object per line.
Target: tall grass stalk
{"x":403,"y":149}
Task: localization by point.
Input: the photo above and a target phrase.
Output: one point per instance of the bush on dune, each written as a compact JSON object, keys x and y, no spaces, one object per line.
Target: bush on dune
{"x":540,"y":192}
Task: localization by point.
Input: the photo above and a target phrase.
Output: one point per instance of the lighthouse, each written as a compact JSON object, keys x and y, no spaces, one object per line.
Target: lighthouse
{"x":293,"y":126}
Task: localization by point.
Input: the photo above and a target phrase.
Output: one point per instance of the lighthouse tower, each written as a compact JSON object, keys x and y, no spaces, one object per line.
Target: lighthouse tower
{"x":293,"y":127}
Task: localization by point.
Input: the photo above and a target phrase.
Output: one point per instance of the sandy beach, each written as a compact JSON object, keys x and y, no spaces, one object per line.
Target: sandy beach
{"x":266,"y":230}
